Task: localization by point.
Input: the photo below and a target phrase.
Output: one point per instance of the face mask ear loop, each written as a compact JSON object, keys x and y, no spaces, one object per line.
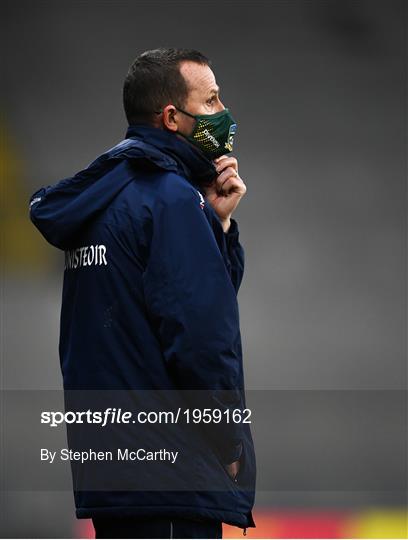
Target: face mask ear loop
{"x":192,"y":116}
{"x":185,"y":112}
{"x":181,"y":110}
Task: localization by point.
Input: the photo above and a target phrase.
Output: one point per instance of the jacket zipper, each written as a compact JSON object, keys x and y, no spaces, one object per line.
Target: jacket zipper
{"x":244,"y":531}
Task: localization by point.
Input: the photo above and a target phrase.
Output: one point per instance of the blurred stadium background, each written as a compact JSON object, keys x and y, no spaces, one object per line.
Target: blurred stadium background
{"x":319,"y":92}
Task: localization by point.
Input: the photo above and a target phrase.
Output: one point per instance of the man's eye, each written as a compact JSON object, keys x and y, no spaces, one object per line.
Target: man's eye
{"x":211,"y":100}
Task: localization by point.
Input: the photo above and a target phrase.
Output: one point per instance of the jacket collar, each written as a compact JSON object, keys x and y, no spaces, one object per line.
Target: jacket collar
{"x":193,"y":164}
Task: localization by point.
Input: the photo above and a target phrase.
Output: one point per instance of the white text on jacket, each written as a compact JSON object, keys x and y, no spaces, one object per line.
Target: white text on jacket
{"x":85,"y":256}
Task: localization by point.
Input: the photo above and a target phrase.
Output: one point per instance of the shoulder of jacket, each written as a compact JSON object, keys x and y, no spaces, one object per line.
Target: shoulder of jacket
{"x":160,"y":188}
{"x":175,"y":188}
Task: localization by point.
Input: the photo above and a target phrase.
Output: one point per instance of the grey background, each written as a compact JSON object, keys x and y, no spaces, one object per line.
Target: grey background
{"x":319,"y":92}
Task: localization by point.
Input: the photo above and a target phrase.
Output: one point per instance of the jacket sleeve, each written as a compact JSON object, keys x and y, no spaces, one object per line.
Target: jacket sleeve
{"x":235,"y":254}
{"x":192,"y":304}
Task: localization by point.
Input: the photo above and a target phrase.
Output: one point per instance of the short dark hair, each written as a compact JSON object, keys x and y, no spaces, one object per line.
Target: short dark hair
{"x":154,"y":80}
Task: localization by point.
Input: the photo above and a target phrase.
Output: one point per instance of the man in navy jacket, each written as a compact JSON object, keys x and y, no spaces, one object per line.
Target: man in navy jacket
{"x":153,"y":265}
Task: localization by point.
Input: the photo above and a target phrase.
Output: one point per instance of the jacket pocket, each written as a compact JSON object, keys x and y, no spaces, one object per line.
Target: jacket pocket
{"x":242,"y":460}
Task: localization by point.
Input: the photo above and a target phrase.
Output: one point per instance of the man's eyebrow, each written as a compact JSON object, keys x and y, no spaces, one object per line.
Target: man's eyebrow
{"x":215,"y":90}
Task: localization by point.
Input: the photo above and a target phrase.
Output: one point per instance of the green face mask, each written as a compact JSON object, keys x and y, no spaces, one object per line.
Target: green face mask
{"x":212,"y":133}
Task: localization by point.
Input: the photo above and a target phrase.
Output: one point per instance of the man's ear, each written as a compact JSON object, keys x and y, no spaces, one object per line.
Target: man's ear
{"x":169,"y":117}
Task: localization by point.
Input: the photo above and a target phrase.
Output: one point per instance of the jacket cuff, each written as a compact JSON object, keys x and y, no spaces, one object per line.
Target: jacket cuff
{"x":232,"y":235}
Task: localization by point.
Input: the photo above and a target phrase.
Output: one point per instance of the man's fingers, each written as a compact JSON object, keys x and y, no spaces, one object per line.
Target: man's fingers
{"x":232,"y":184}
{"x":224,"y":156}
{"x":226,"y":162}
{"x":227,"y":185}
{"x":226,"y":173}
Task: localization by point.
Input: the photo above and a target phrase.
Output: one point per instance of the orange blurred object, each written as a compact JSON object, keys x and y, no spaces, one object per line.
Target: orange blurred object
{"x":369,"y":523}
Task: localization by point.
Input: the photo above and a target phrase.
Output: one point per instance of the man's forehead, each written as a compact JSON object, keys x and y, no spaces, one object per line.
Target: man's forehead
{"x":199,"y":78}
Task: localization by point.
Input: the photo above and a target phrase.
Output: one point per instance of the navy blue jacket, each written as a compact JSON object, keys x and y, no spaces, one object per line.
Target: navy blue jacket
{"x":150,"y":303}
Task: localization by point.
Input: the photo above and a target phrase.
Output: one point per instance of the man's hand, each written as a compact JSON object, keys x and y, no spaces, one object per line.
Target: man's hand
{"x":233,"y":469}
{"x":227,"y":190}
